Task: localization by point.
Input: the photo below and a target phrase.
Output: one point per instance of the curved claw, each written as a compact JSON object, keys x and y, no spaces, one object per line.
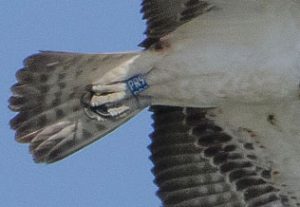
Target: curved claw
{"x":86,"y":99}
{"x":101,"y":110}
{"x":89,"y":87}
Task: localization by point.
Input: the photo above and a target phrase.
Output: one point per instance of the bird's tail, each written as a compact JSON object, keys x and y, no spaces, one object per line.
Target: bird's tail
{"x":47,"y":97}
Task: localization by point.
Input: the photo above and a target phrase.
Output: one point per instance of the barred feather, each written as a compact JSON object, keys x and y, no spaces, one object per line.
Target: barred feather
{"x":197,"y":163}
{"x":47,"y":98}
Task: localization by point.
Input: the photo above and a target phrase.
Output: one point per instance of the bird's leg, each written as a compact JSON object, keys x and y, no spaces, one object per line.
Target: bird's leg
{"x":118,"y":98}
{"x":113,"y":93}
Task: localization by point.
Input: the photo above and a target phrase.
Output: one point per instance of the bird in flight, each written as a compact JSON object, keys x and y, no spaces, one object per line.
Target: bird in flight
{"x":222,"y":80}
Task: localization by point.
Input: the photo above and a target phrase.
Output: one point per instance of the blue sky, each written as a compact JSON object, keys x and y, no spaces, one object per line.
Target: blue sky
{"x":112,"y":172}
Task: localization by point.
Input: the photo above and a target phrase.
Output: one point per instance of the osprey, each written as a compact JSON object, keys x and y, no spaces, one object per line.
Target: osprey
{"x":222,"y":79}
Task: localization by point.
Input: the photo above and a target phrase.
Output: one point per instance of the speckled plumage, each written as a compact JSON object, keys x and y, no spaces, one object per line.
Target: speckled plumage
{"x":223,"y":82}
{"x":48,"y":98}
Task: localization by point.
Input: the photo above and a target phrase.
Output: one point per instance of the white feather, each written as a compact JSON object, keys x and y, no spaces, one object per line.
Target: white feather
{"x":244,"y":52}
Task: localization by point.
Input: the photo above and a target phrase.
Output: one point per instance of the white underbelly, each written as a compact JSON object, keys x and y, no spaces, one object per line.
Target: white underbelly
{"x":251,"y":61}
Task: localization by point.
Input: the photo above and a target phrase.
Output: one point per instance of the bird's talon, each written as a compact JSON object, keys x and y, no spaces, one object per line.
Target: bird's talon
{"x":110,"y":100}
{"x":89,"y":88}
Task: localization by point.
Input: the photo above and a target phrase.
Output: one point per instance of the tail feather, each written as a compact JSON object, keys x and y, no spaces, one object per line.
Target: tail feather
{"x":47,"y":98}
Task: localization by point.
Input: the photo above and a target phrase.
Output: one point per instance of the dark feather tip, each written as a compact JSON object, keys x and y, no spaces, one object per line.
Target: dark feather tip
{"x":24,"y":76}
{"x":16,"y":102}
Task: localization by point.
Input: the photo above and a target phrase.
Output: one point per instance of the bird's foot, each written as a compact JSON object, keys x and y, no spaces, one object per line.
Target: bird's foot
{"x":115,"y":99}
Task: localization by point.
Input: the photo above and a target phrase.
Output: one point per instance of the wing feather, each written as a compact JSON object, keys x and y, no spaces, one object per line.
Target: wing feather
{"x":164,"y":16}
{"x":202,"y":161}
